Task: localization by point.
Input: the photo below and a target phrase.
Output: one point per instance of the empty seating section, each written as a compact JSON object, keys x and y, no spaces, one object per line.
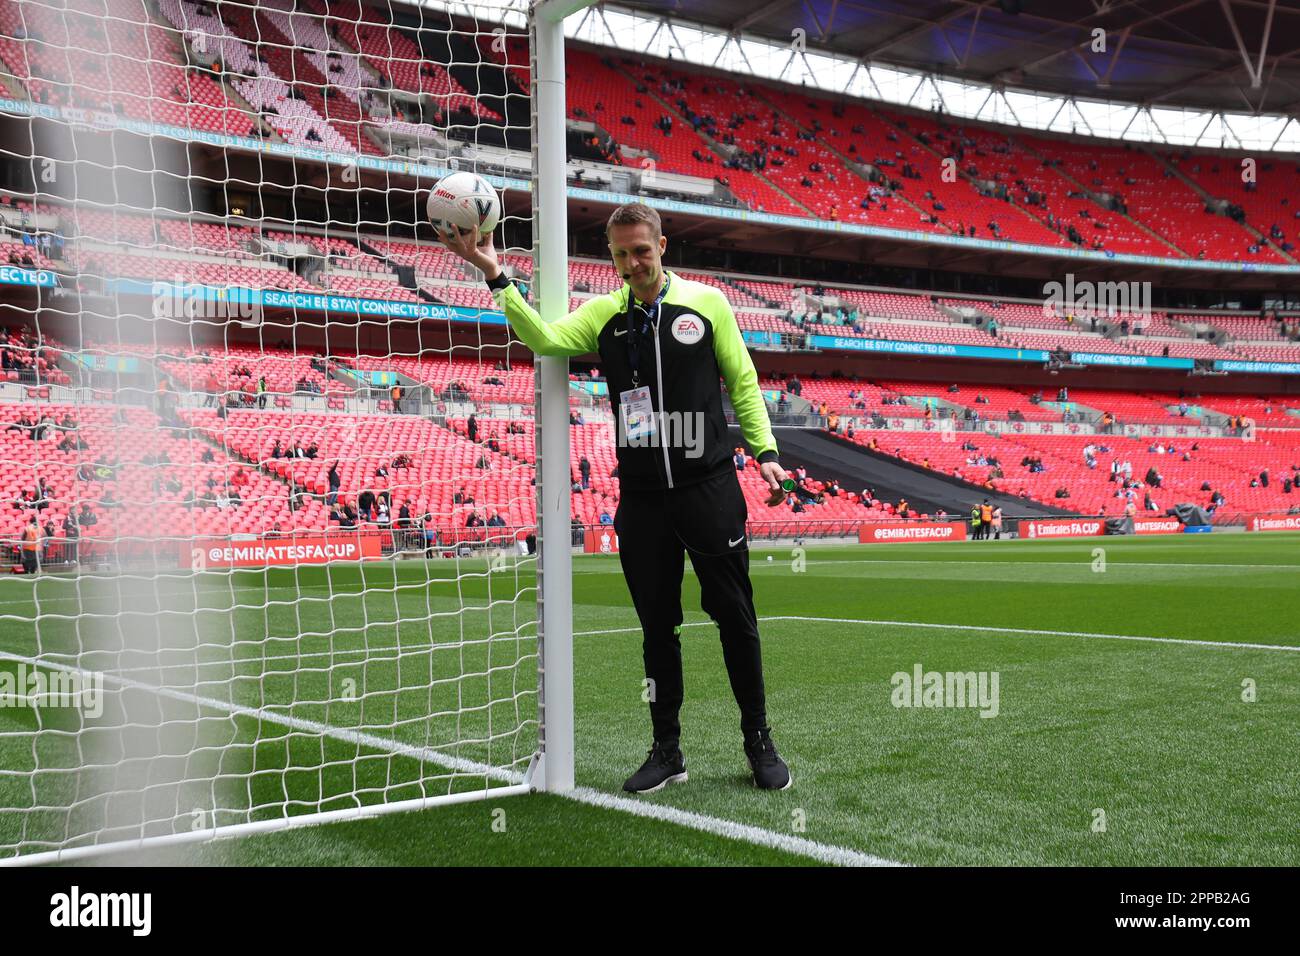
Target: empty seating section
{"x":440,"y":461}
{"x":440,"y":373}
{"x":371,"y":31}
{"x":16,"y":253}
{"x":927,"y":146}
{"x":1179,"y":348}
{"x":1266,"y":411}
{"x":834,"y":392}
{"x":1071,"y":341}
{"x":888,"y":305}
{"x":344,"y":254}
{"x":198,"y":369}
{"x":1238,"y":326}
{"x":1228,"y":465}
{"x":30,"y":357}
{"x":789,"y":159}
{"x":997,"y":158}
{"x":426,"y":259}
{"x":470,"y":297}
{"x":1018,"y":314}
{"x":370,"y":288}
{"x":1126,"y":406}
{"x":107,"y":55}
{"x":997,"y":402}
{"x":1155,"y":197}
{"x":136,"y":499}
{"x":600,"y":277}
{"x":764,"y":322}
{"x":1267,"y":202}
{"x":224,"y":33}
{"x":1269,"y":353}
{"x":162,"y":268}
{"x":594,"y":82}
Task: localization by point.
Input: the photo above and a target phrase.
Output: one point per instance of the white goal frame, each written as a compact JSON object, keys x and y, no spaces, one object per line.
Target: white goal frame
{"x":552,"y":766}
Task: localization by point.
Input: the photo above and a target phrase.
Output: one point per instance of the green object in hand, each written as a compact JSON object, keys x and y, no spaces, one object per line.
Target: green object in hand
{"x":787,"y":484}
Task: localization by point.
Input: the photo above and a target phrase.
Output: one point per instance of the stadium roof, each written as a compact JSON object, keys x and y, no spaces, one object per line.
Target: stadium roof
{"x":1234,"y":55}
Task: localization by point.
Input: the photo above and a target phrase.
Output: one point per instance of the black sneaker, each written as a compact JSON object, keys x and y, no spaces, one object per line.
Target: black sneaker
{"x":770,"y":771}
{"x":664,"y":765}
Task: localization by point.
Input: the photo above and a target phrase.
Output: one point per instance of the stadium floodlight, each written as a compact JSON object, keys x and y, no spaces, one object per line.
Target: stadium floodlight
{"x":211,"y":659}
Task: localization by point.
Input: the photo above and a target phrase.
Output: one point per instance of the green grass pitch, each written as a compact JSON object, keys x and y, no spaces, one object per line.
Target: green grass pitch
{"x":1153,"y":738}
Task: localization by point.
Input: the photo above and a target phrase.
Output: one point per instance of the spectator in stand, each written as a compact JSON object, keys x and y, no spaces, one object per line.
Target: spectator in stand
{"x":30,"y":542}
{"x":584,"y":469}
{"x":72,"y":536}
{"x":335,"y":481}
{"x":471,"y":427}
{"x":366,"y":504}
{"x":473,"y":521}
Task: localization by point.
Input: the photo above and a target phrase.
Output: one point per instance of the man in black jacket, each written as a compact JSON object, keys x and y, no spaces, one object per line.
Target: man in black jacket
{"x":664,"y":341}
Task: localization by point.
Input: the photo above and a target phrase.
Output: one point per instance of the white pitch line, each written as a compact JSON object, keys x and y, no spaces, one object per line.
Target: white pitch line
{"x":1036,"y":632}
{"x":411,"y":649}
{"x":1082,"y":562}
{"x":728,"y":829}
{"x":822,"y":852}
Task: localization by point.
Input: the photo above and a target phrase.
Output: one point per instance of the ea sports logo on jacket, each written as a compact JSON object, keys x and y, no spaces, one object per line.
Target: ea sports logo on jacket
{"x":688,"y":329}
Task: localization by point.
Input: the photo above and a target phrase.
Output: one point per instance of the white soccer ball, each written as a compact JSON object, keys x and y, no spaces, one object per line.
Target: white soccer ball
{"x":464,"y":201}
{"x":769,"y":557}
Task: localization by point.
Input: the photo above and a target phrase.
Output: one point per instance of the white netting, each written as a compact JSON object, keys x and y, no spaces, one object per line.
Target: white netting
{"x":232,"y":342}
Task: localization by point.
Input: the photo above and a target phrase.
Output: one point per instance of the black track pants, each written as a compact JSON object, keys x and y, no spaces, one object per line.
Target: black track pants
{"x":655,"y":532}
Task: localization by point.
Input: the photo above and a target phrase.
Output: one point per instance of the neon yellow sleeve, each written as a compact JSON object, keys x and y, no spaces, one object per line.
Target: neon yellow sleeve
{"x":741,"y":378}
{"x":575,"y":334}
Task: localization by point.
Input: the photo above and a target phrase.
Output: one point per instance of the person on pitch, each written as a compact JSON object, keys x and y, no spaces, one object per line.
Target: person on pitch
{"x":664,"y":341}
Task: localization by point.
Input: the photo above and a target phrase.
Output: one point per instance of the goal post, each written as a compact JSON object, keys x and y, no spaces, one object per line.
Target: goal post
{"x":550,"y":258}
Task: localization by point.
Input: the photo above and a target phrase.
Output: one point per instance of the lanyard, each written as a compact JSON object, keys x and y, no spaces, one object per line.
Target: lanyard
{"x":650,"y":315}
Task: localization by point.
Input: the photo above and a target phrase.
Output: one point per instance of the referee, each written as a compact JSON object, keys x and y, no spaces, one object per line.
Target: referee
{"x":664,"y":341}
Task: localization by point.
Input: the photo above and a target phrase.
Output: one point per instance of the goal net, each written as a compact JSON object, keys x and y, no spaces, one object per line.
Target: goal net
{"x":269,"y":456}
